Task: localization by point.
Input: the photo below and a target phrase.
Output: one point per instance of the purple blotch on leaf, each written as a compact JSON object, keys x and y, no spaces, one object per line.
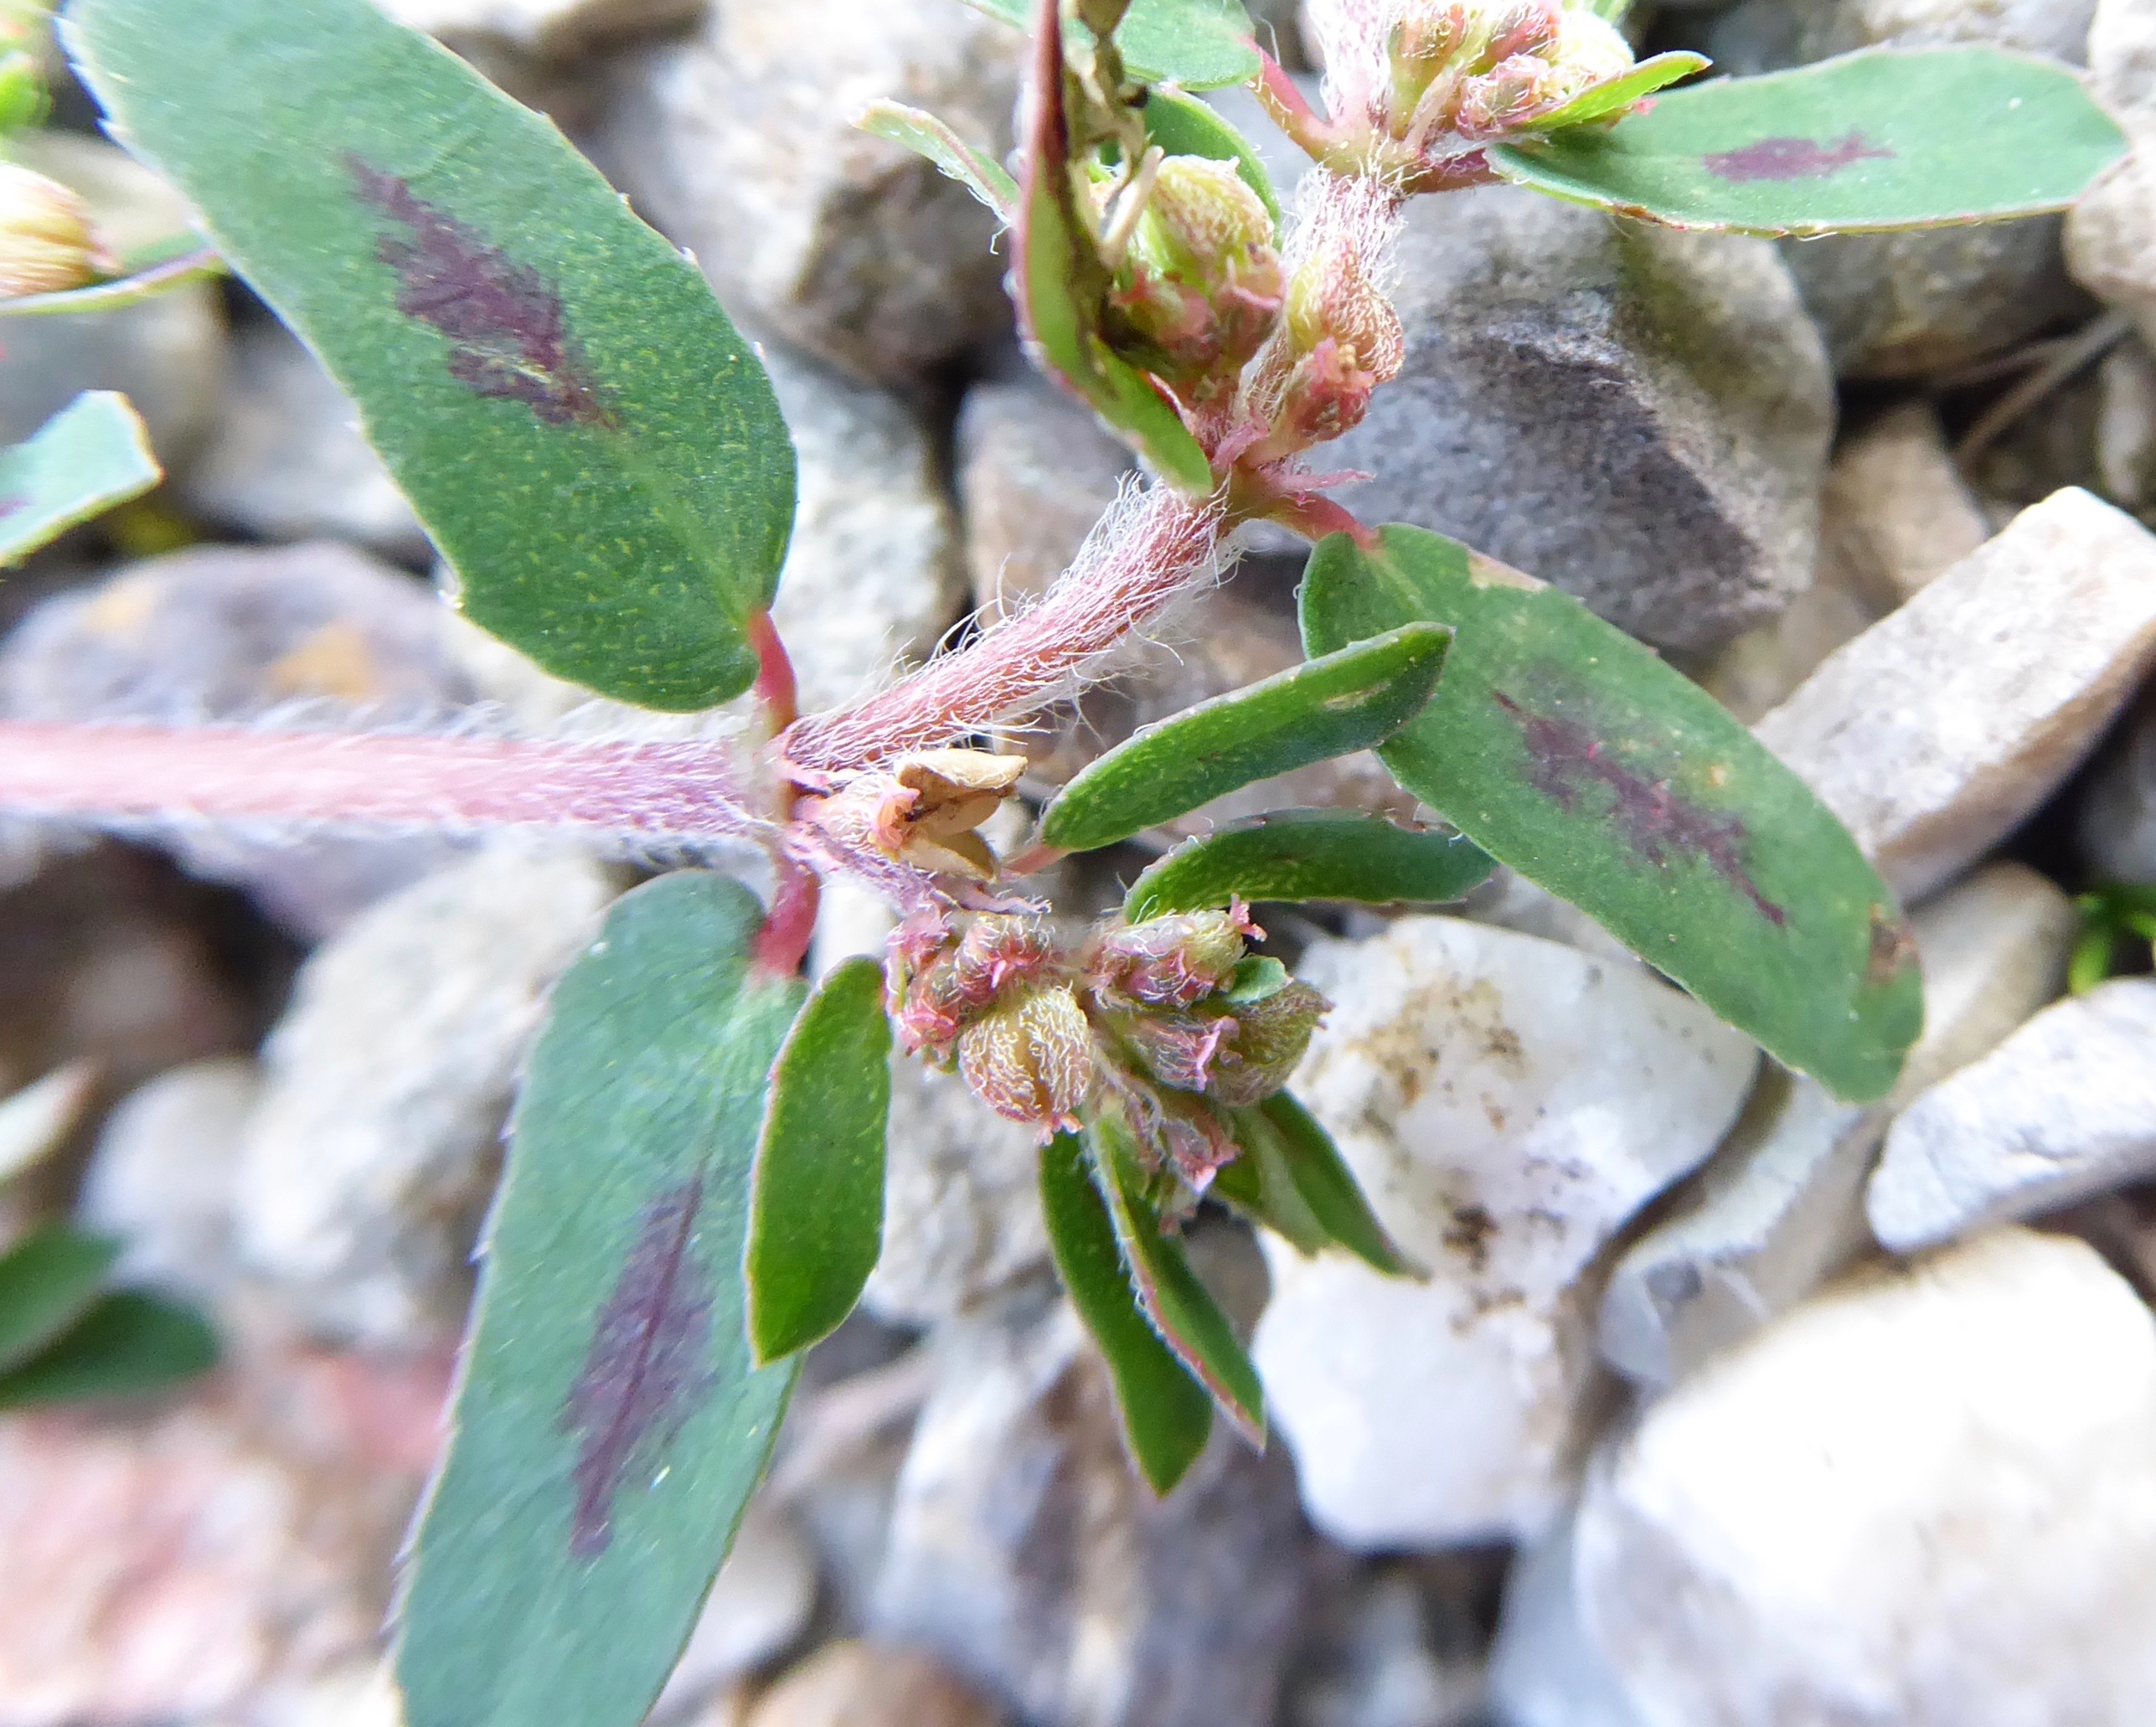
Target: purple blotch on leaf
{"x":1794,"y":158}
{"x":644,"y":1372}
{"x":509,"y":333}
{"x":1655,"y":821}
{"x":8,"y":506}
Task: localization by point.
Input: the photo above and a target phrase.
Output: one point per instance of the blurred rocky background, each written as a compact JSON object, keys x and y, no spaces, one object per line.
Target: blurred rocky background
{"x":1725,"y":1404}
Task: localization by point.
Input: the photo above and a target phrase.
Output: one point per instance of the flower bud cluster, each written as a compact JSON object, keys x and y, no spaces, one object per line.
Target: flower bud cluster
{"x":47,"y":240}
{"x":1479,"y":69}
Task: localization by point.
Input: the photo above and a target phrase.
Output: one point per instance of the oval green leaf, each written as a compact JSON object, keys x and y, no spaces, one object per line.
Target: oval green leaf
{"x":585,"y":436}
{"x":817,"y":1210}
{"x":1309,"y":854}
{"x":612,"y":1421}
{"x":1882,"y":139}
{"x":1166,"y":1415}
{"x":48,"y":1280}
{"x":91,"y":455}
{"x":1183,"y":125}
{"x":953,"y":157}
{"x":1570,"y":752}
{"x":1325,"y":707}
{"x":128,"y":1344}
{"x":1200,"y":45}
{"x":1181,"y":1309}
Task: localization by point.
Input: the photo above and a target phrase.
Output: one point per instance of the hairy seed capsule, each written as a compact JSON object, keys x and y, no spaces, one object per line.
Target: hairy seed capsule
{"x":47,"y":243}
{"x":1031,"y":1060}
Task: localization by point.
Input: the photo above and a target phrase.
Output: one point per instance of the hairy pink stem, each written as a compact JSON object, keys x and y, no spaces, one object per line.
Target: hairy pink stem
{"x":1140,"y":560}
{"x":641,"y":793}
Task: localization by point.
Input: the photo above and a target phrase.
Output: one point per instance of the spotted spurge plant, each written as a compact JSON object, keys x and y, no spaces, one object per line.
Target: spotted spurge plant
{"x":693,"y":1193}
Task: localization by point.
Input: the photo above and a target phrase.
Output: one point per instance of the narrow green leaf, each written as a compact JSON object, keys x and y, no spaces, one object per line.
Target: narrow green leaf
{"x":1167,"y":1416}
{"x":1325,"y":707}
{"x":931,"y":138}
{"x":1309,"y":854}
{"x":49,"y":1281}
{"x":1882,"y":139}
{"x":146,"y":282}
{"x":816,"y":1207}
{"x":127,"y":1344}
{"x":1183,"y":125}
{"x":1612,"y":94}
{"x":1182,"y":1311}
{"x":1200,"y":45}
{"x":612,"y":1422}
{"x":1327,"y":1185}
{"x":1063,"y":286}
{"x":89,"y":456}
{"x":1259,"y":1184}
{"x":584,"y":435}
{"x":1567,"y":750}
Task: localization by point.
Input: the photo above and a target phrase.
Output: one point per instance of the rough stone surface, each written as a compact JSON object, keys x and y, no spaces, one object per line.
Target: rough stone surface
{"x":166,"y":356}
{"x":1027,"y":1553}
{"x":2125,"y":427}
{"x":2117,"y":824}
{"x":318,"y":635}
{"x":287,"y":461}
{"x":873,"y":575}
{"x":555,"y":30}
{"x":2062,"y":1110}
{"x":1639,"y":415}
{"x":1937,"y":730}
{"x":1896,"y":511}
{"x":1506,"y":1103}
{"x":757,"y":1609}
{"x":2111,"y":234}
{"x":375,"y":1146}
{"x":740,"y":144}
{"x":1926,"y":1496}
{"x":163,"y":1176}
{"x":862,"y":1685}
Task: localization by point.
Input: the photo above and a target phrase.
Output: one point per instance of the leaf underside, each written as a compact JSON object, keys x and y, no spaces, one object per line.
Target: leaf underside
{"x":933,"y":140}
{"x":1309,"y":854}
{"x":613,"y":1422}
{"x":91,"y":456}
{"x":584,"y":435}
{"x":1884,"y":138}
{"x":1568,"y":751}
{"x":128,"y":1344}
{"x":1200,"y":45}
{"x":1297,"y":1163}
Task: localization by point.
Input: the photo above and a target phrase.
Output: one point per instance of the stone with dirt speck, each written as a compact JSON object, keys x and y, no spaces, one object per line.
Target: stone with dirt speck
{"x":375,"y":1144}
{"x":1507,"y":1104}
{"x":558,"y":30}
{"x":849,"y":1684}
{"x":2064,"y":1109}
{"x":287,"y":461}
{"x":1780,"y":1206}
{"x":1927,"y":1495}
{"x":1639,"y":415}
{"x":1027,"y":1553}
{"x":740,"y":144}
{"x":1939,"y":729}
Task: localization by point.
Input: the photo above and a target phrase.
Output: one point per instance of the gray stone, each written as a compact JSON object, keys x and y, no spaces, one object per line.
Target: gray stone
{"x":756,"y":1610}
{"x":1936,"y":730}
{"x":740,"y":144}
{"x":375,"y":1144}
{"x":1026,"y":1551}
{"x":1927,"y":1495}
{"x":873,"y":575}
{"x":1897,"y":512}
{"x":287,"y":461}
{"x":165,"y":355}
{"x":553,"y":29}
{"x":2062,"y":1110}
{"x":1545,"y":1671}
{"x":1507,"y":1104}
{"x":2126,"y":426}
{"x":1637,"y":414}
{"x":317,"y":635}
{"x":1754,"y":674}
{"x":165,"y":1172}
{"x":2110,"y":233}
{"x":2117,"y":823}
{"x":1372,"y":1658}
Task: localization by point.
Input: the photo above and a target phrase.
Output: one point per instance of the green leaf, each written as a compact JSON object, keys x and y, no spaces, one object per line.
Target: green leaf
{"x":587,"y":438}
{"x":1183,"y":125}
{"x":1259,"y":1184}
{"x":48,"y":1281}
{"x":1612,"y":94}
{"x":23,"y":99}
{"x":128,"y":1344}
{"x":1332,"y":706}
{"x":1309,"y":854}
{"x":1167,"y":1416}
{"x":933,"y":139}
{"x":1062,"y":287}
{"x":1323,"y":1182}
{"x":1884,"y":138}
{"x":816,"y":1205}
{"x":1567,"y":750}
{"x":157,"y":275}
{"x":612,"y":1422}
{"x":91,"y":455}
{"x":1182,"y":1311}
{"x":1200,"y":45}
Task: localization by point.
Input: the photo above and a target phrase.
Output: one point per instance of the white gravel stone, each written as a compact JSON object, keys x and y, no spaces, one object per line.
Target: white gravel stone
{"x":2111,"y":234}
{"x":1897,"y":510}
{"x":1507,"y":1103}
{"x":1936,"y":730}
{"x":2062,"y":1110}
{"x":1925,"y":1498}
